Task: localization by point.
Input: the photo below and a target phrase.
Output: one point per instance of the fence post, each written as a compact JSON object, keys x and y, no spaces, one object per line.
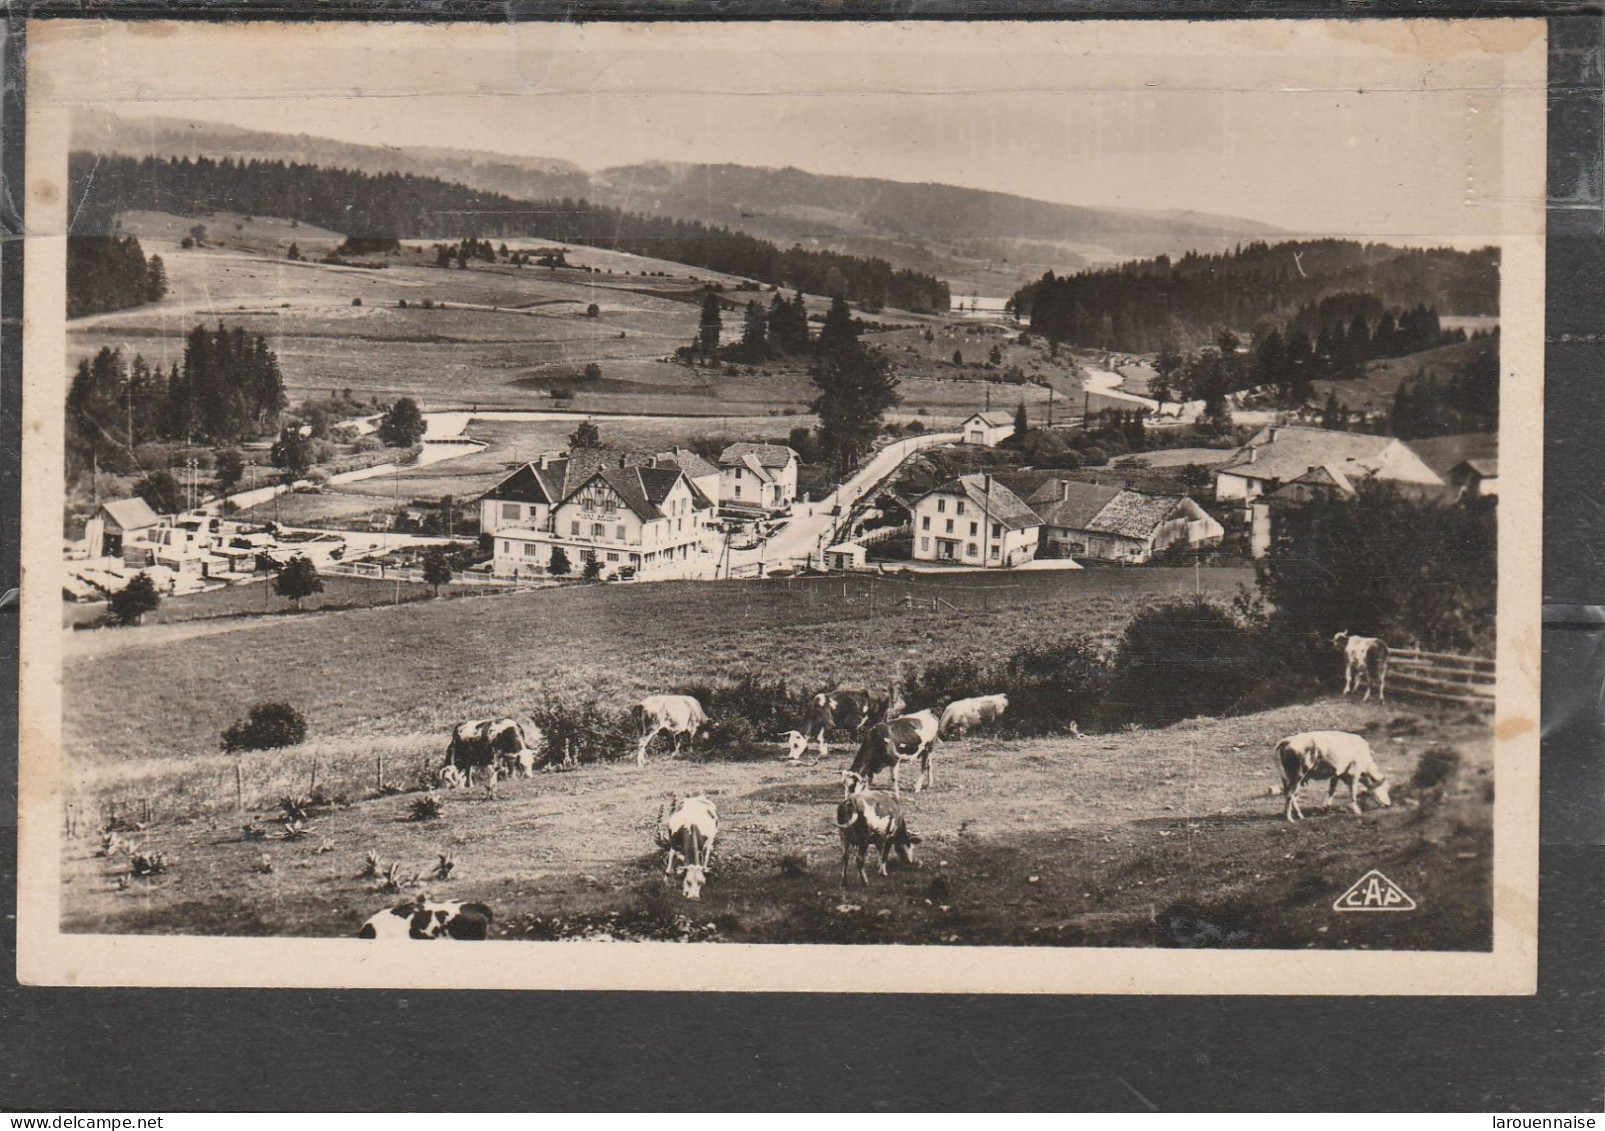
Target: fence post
{"x":379,"y":772}
{"x":239,"y":788}
{"x":314,"y":787}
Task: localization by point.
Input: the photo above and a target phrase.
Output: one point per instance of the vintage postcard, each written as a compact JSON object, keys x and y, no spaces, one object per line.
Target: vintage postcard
{"x":987,"y":507}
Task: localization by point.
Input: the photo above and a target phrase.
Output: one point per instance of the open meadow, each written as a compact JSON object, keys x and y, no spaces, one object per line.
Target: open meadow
{"x":1169,"y":837}
{"x":424,"y":666}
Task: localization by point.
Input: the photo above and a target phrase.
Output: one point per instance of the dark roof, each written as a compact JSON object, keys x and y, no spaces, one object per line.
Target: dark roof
{"x":644,"y":488}
{"x":561,"y":477}
{"x":526,"y":485}
{"x":687,"y":461}
{"x":768,"y":455}
{"x":1069,"y":503}
{"x":996,"y":501}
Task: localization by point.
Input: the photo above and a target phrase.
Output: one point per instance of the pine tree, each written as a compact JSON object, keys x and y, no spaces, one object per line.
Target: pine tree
{"x":856,"y":387}
{"x":558,"y":565}
{"x":1021,"y":424}
{"x":155,"y":279}
{"x":838,"y":333}
{"x":709,"y":327}
{"x":755,"y":332}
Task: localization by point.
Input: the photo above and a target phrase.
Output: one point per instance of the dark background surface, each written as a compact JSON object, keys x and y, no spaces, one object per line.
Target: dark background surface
{"x":88,"y":1050}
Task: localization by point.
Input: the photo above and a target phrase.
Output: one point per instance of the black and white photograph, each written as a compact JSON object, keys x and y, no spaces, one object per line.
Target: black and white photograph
{"x":877,"y":506}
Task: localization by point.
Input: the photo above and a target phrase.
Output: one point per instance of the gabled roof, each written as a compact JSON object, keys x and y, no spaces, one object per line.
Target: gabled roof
{"x":561,"y":477}
{"x":1131,"y":514}
{"x":643,"y":488}
{"x":1444,"y":453}
{"x":753,"y":464}
{"x":1487,"y":468}
{"x":687,"y":461}
{"x":996,"y":501}
{"x":131,"y":514}
{"x":994,"y":419}
{"x":769,"y":455}
{"x":529,"y":484}
{"x":1069,"y":503}
{"x":1285,"y":452}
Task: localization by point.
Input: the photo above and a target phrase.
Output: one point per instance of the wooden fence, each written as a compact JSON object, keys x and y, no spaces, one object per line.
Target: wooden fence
{"x":1442,"y":676}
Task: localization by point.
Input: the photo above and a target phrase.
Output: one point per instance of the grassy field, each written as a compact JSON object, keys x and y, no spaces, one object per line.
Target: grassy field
{"x":1383,"y":377}
{"x":423,"y":667}
{"x":258,"y":599}
{"x":1168,"y":837}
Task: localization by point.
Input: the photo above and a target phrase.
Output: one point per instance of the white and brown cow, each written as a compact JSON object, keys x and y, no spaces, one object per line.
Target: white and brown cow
{"x":888,"y":745}
{"x":1365,"y":660}
{"x":1333,"y":755}
{"x":688,"y":832}
{"x":423,"y":918}
{"x":962,"y":714}
{"x":867,"y":817}
{"x":494,"y":744}
{"x":676,"y":715}
{"x":846,"y":708}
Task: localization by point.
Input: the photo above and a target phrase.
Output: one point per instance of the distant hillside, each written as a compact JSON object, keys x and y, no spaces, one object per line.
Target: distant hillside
{"x":173,"y":137}
{"x":985,"y":242}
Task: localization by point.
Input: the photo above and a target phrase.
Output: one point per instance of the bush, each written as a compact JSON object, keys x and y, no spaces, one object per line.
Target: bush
{"x":269,"y":727}
{"x":130,"y":603}
{"x":1436,"y":767}
{"x":1185,"y":658}
{"x":583,"y":730}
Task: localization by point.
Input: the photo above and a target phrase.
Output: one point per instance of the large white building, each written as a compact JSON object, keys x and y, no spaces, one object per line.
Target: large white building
{"x":974,"y":520}
{"x":757,"y":476}
{"x":631,"y":512}
{"x":1282,"y":453}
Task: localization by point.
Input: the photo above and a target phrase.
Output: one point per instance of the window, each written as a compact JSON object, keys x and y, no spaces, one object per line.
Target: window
{"x":969,"y":550}
{"x":975,"y":528}
{"x":507,"y":547}
{"x":612,"y":557}
{"x":620,"y":535}
{"x":510,"y":512}
{"x":949,"y":529}
{"x":925,"y":544}
{"x":997,"y":530}
{"x":576,"y":529}
{"x":994,"y":551}
{"x":531,"y":549}
{"x":961,"y":506}
{"x":925,"y":523}
{"x":738,"y":490}
{"x":941,"y":506}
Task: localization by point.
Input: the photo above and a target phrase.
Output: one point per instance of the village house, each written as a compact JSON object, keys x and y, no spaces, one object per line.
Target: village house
{"x":116,"y":524}
{"x":1474,"y":478}
{"x":1112,"y":524}
{"x":634,"y":513}
{"x":974,"y":520}
{"x":757,"y":477}
{"x":1280,"y":454}
{"x":988,"y":429}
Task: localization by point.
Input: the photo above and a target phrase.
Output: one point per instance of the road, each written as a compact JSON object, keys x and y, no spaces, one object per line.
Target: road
{"x":812,"y":525}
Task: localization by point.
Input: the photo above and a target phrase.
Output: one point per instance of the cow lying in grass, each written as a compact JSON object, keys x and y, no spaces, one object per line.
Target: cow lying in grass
{"x":1329,"y":754}
{"x":688,"y":833}
{"x":422,"y":918}
{"x":888,"y":745}
{"x":866,"y":817}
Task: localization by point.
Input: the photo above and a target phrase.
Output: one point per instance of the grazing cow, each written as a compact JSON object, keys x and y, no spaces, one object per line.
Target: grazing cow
{"x":1365,"y":661}
{"x":888,"y":745}
{"x":427,"y":919}
{"x":689,"y":833}
{"x":676,"y":714}
{"x":868,"y":817}
{"x":963,"y":714}
{"x":1329,"y":754}
{"x":846,"y":708}
{"x":487,"y":743}
{"x":522,"y":762}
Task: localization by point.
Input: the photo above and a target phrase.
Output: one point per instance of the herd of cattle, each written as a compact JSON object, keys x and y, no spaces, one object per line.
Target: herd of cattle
{"x":865,"y":817}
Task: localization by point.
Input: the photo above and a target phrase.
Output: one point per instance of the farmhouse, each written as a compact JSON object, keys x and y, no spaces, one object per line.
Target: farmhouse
{"x":1279,"y":454}
{"x":974,"y":520}
{"x":703,"y":475}
{"x":1099,"y":523}
{"x":757,"y":476}
{"x":118,"y":523}
{"x":988,"y":429}
{"x":642,"y":515}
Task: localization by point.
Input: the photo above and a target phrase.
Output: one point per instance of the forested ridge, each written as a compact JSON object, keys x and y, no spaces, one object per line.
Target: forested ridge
{"x":390,"y":205}
{"x":1144,"y":306}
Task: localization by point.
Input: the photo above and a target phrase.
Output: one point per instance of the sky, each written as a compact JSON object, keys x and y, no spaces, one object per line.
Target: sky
{"x":1389,"y":129}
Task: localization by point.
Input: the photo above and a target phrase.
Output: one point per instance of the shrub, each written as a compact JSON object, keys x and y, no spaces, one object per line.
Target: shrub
{"x":1184,"y":658}
{"x":130,"y":603}
{"x":425,"y":808}
{"x":1436,"y":767}
{"x":583,"y":730}
{"x":269,"y":727}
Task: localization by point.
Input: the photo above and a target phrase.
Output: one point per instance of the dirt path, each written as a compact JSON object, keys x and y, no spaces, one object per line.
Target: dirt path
{"x":1119,"y":839}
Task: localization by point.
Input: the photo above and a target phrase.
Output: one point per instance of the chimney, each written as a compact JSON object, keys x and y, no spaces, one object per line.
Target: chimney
{"x":544,"y":462}
{"x":1253,"y":454}
{"x":1270,"y":435}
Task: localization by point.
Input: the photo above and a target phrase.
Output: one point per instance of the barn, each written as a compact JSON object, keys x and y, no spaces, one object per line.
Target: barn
{"x":1112,"y":524}
{"x":118,"y":523}
{"x":988,"y":429}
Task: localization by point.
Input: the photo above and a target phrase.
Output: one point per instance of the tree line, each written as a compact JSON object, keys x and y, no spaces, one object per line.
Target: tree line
{"x":228,"y":388}
{"x":1142,"y":306}
{"x":107,"y":273}
{"x":393,"y":205}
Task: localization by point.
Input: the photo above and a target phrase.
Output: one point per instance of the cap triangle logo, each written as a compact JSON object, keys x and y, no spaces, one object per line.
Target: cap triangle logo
{"x":1374,"y":892}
